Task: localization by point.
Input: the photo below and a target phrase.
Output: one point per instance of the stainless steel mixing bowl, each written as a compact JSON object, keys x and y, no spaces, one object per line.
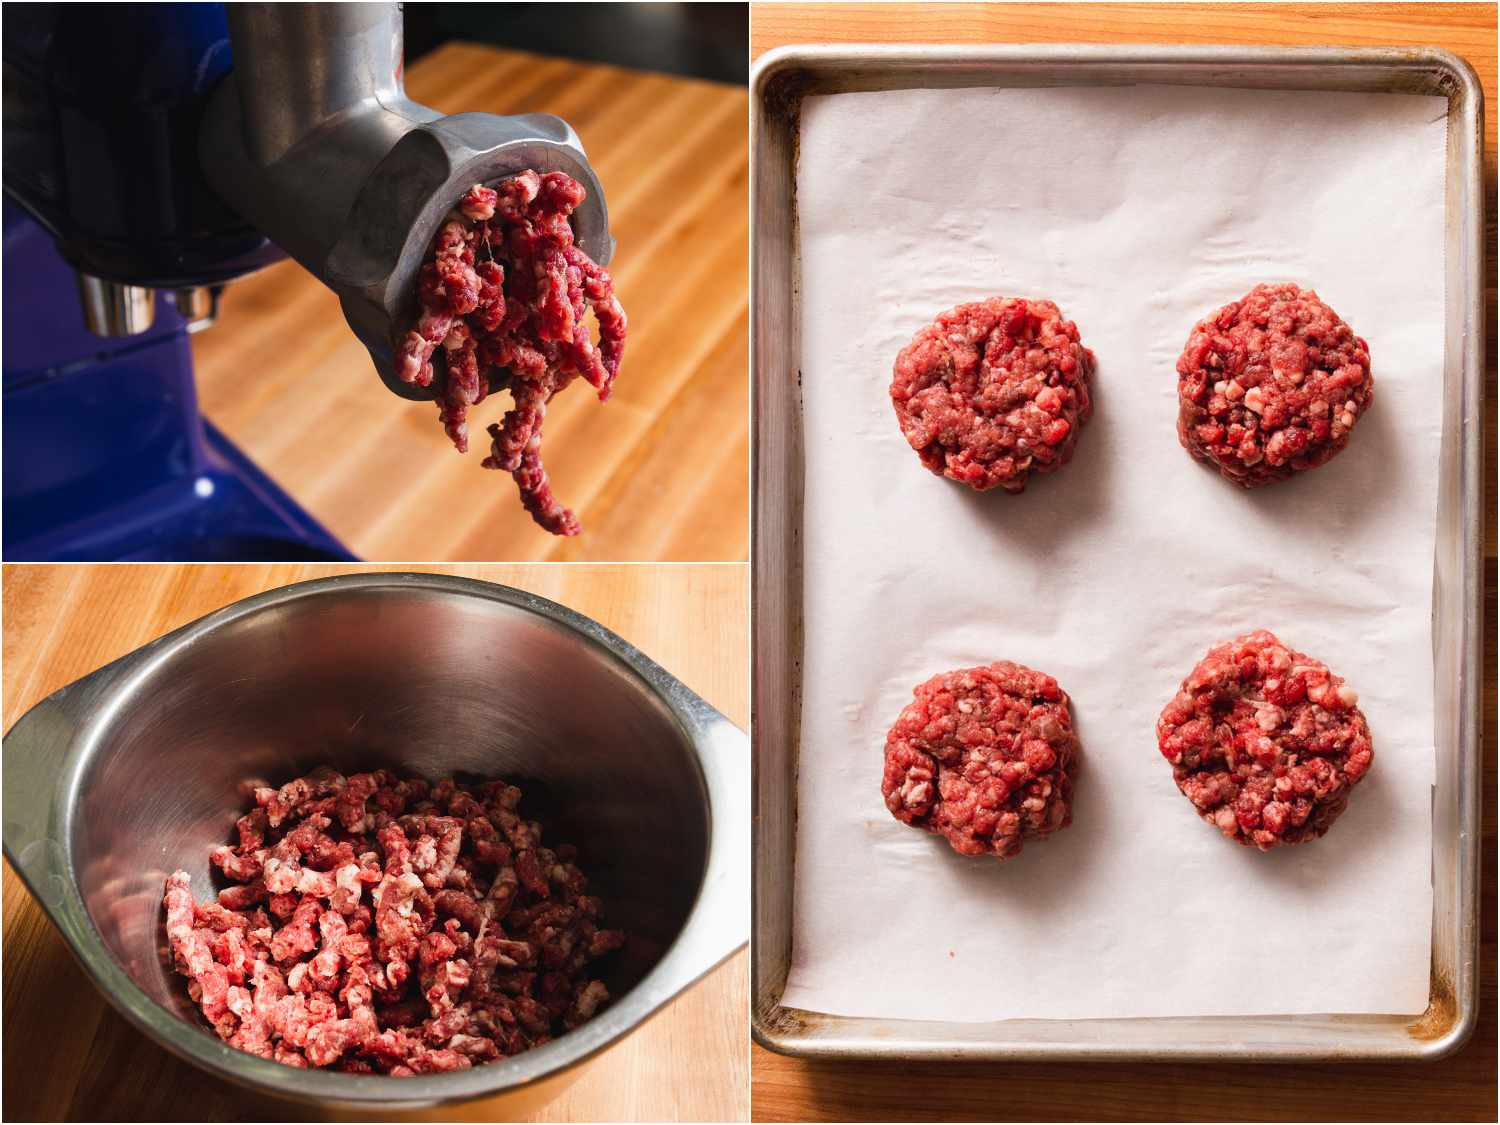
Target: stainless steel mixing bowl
{"x":114,"y":781}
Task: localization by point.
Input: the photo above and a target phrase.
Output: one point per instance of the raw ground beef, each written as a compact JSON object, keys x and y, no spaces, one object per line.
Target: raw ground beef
{"x":994,"y":391}
{"x":984,"y":757}
{"x":1266,"y":742}
{"x":1271,"y":385}
{"x":473,"y":942}
{"x":504,"y":287}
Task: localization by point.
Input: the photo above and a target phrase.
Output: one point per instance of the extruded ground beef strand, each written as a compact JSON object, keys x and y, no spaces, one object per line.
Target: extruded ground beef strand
{"x":384,"y":925}
{"x":505,"y":287}
{"x":994,"y":391}
{"x":984,"y":757}
{"x":1271,"y":385}
{"x":1266,"y":742}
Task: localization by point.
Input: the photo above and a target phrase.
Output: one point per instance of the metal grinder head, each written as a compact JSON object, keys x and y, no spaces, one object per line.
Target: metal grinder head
{"x":314,"y":140}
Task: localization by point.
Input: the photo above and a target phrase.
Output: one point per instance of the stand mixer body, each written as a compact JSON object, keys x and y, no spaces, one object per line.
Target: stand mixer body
{"x":106,"y":455}
{"x":155,"y":152}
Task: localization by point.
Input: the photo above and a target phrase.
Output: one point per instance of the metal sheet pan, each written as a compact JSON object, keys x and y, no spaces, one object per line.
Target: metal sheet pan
{"x":782,"y":79}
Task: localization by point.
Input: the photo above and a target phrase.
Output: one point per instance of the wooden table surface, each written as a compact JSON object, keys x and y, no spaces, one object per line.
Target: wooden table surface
{"x":659,"y":472}
{"x":69,"y":1056}
{"x":1460,"y":1088}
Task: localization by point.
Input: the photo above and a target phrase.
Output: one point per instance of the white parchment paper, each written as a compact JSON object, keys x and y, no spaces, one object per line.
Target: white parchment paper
{"x":1138,"y":210}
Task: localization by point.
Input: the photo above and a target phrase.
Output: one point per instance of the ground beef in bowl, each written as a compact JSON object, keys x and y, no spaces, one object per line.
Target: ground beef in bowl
{"x":379,"y":924}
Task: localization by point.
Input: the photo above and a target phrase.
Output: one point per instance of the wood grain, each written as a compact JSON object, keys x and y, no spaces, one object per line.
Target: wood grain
{"x":1458,"y":1089}
{"x":658,"y":472}
{"x":69,"y":1056}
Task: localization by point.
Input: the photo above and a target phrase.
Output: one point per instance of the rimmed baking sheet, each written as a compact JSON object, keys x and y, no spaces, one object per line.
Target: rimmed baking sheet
{"x":910,"y":255}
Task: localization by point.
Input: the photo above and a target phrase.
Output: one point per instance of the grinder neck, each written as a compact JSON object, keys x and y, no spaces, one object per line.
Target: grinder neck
{"x":298,"y":65}
{"x":315,"y":102}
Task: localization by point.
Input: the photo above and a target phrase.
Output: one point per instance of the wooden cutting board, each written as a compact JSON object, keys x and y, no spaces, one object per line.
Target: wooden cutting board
{"x":1460,"y":1088}
{"x":69,"y":1056}
{"x":661,"y":471}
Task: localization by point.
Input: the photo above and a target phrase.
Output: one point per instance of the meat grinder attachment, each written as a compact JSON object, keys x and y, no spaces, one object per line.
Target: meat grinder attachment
{"x":313,"y":139}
